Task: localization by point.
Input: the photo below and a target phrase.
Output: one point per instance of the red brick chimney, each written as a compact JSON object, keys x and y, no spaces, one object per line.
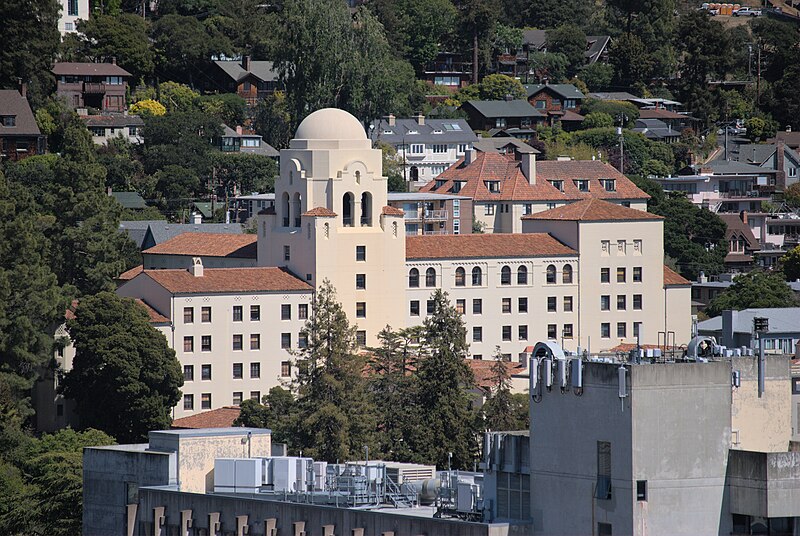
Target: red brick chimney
{"x":23,"y":89}
{"x":246,"y":63}
{"x":743,"y":216}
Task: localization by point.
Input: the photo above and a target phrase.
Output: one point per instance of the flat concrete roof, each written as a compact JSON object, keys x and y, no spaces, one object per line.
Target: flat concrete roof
{"x":209,"y":432}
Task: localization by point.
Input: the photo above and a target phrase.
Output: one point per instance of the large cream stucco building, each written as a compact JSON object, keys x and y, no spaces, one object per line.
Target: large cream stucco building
{"x":589,"y":274}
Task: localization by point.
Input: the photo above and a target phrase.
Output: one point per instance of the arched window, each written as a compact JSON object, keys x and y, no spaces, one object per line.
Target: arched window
{"x":347,"y":209}
{"x":477,"y":277}
{"x":461,"y":277}
{"x":358,"y":177}
{"x":413,"y":278}
{"x":505,"y":275}
{"x":522,"y":275}
{"x":430,"y":277}
{"x":296,"y":204}
{"x":285,"y":208}
{"x":394,"y":229}
{"x":327,"y":230}
{"x":566,"y":274}
{"x":551,"y":274}
{"x":366,"y":208}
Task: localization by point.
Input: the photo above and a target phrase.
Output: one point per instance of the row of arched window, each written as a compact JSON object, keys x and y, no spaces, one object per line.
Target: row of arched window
{"x":476,"y":276}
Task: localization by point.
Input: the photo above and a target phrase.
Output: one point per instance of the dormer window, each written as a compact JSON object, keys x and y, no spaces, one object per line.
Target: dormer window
{"x":387,"y":132}
{"x":492,"y":186}
{"x":411,"y":132}
{"x":437,"y":131}
{"x":558,"y":185}
{"x":439,"y":184}
{"x":582,"y":185}
{"x":610,"y":185}
{"x":457,"y":186}
{"x":8,"y":120}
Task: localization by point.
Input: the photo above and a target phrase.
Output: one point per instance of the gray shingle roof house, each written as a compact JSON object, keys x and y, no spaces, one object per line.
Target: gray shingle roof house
{"x":502,"y":114}
{"x":250,"y":79}
{"x":129,"y":200}
{"x":149,"y":233}
{"x":19,"y":134}
{"x":397,"y":130}
{"x":657,"y":130}
{"x":566,"y":91}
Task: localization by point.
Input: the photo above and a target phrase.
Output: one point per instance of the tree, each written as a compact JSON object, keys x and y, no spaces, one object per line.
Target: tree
{"x":125,"y":379}
{"x":477,"y":18}
{"x":597,"y":75}
{"x":445,"y":408}
{"x":547,"y":66}
{"x":549,"y":13}
{"x":181,"y":139}
{"x":30,"y":43}
{"x":756,"y":289}
{"x":272,"y":120}
{"x":630,"y":60}
{"x":276,"y":411}
{"x":148,"y":107}
{"x":792,"y":195}
{"x":790,"y":263}
{"x":123,"y":37}
{"x":616,"y":109}
{"x":243,"y":172}
{"x":228,"y":108}
{"x":393,"y":168}
{"x":335,"y":418}
{"x":598,"y":120}
{"x":497,"y":410}
{"x":569,"y":40}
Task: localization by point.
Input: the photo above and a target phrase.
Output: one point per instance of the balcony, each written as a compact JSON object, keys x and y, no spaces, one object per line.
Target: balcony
{"x":94,"y":87}
{"x":426,"y":215}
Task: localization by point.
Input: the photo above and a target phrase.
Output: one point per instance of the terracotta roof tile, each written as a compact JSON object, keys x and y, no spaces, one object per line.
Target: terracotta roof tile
{"x":482,"y":370}
{"x":672,"y":278}
{"x":484,"y":245}
{"x":593,"y":210}
{"x":320,"y":211}
{"x":660,"y":113}
{"x":514,"y":186}
{"x":221,"y":280}
{"x":216,"y":418}
{"x":130,"y":274}
{"x":208,"y":245}
{"x":155,"y":316}
{"x":392,"y":211}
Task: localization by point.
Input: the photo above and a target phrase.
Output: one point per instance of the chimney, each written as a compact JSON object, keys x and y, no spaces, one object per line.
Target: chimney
{"x":780,"y":162}
{"x":246,"y":63}
{"x":239,"y":130}
{"x":197,"y":218}
{"x":528,"y":166}
{"x":743,"y":216}
{"x":420,"y":119}
{"x":113,"y":60}
{"x":23,"y":88}
{"x":509,"y":97}
{"x":702,"y":277}
{"x":788,"y":128}
{"x":390,"y":120}
{"x":469,"y":156}
{"x":197,"y":267}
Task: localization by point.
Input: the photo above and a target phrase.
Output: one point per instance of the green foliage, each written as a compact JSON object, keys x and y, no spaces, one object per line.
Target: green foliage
{"x":597,"y":76}
{"x":272,"y":120}
{"x":492,"y":87}
{"x":548,"y":66}
{"x":122,"y":36}
{"x":392,"y":167}
{"x":497,"y":410}
{"x":179,"y":139}
{"x":548,"y":13}
{"x":630,"y":60}
{"x":245,"y":172}
{"x":276,"y":411}
{"x":570,"y":41}
{"x":507,"y":39}
{"x":598,"y":120}
{"x":125,"y":378}
{"x":755,"y":289}
{"x":228,"y":108}
{"x":792,"y":195}
{"x":637,"y":147}
{"x":790,"y":262}
{"x":616,"y":109}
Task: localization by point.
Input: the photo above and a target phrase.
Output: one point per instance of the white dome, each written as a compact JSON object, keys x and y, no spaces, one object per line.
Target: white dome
{"x":330,"y":124}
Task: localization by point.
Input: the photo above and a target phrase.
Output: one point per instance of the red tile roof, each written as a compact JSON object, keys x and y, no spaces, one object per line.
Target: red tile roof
{"x":219,"y":280}
{"x":130,"y":274}
{"x":672,"y":278}
{"x":216,"y":418}
{"x":392,"y":211}
{"x":482,"y":370}
{"x":155,"y":316}
{"x":484,"y":245}
{"x":208,"y":245}
{"x":660,"y":113}
{"x":593,"y":210}
{"x":320,"y":211}
{"x":514,"y":186}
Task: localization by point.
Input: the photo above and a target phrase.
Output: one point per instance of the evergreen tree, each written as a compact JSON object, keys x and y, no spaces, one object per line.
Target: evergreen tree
{"x":753,"y":289}
{"x":276,"y":411}
{"x":125,"y":379}
{"x":446,"y":417}
{"x":123,"y":37}
{"x":335,"y":417}
{"x":498,"y":408}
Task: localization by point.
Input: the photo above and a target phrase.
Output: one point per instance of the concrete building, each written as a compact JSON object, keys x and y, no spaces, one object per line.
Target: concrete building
{"x":734,"y":329}
{"x":433,"y":214}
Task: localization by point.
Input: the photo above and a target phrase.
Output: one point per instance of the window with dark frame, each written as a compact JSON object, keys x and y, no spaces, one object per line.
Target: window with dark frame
{"x":205,"y":343}
{"x":205,"y":314}
{"x":477,"y":306}
{"x":188,"y":373}
{"x":551,"y":304}
{"x":522,"y":305}
{"x":603,"y":484}
{"x":237,"y":313}
{"x":413,"y":308}
{"x":188,"y":344}
{"x":361,"y":281}
{"x":237,"y":371}
{"x":237,"y":341}
{"x":361,"y":253}
{"x":506,"y":332}
{"x":255,"y":341}
{"x":552,"y":331}
{"x":605,"y":275}
{"x":286,"y":311}
{"x":205,"y":401}
{"x":286,"y":340}
{"x":205,"y":372}
{"x":477,"y":334}
{"x":506,"y":308}
{"x":255,"y":313}
{"x":188,"y":315}
{"x":302,"y":311}
{"x":255,"y":370}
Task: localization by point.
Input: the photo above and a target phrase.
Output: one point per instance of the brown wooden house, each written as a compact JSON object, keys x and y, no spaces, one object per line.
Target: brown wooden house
{"x":251,"y":80}
{"x":19,"y":135}
{"x":92,"y":85}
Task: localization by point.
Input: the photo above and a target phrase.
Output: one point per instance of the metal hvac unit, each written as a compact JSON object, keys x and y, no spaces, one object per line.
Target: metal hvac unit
{"x":237,"y":475}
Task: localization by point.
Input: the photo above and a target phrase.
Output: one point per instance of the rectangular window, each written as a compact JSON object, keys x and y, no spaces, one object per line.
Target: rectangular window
{"x":621,"y":302}
{"x":637,"y":329}
{"x":506,"y":333}
{"x":522,"y":305}
{"x":286,"y":369}
{"x":478,"y":357}
{"x":430,"y":305}
{"x":477,"y":306}
{"x":302,"y":311}
{"x":456,"y":227}
{"x":507,"y":305}
{"x":637,"y":302}
{"x":413,"y":308}
{"x":361,"y":309}
{"x":188,"y":402}
{"x":552,"y":331}
{"x":605,"y":303}
{"x":605,"y":330}
{"x":255,"y":341}
{"x":188,"y":344}
{"x":237,"y":313}
{"x":255,"y":395}
{"x":302,"y":340}
{"x":567,"y":304}
{"x":477,"y":334}
{"x":72,"y":9}
{"x":286,"y":340}
{"x":205,"y":343}
{"x":620,"y":275}
{"x":205,"y":401}
{"x":237,"y":398}
{"x":461,"y":306}
{"x":188,"y":373}
{"x":489,"y":209}
{"x":237,"y":342}
{"x":604,"y":529}
{"x":456,"y":208}
{"x":641,"y":490}
{"x":287,"y":253}
{"x":622,"y":330}
{"x":361,"y":281}
{"x":205,"y":314}
{"x":205,"y":372}
{"x":361,"y":338}
{"x":417,"y":148}
{"x":605,"y":275}
{"x":188,"y":315}
{"x":439,"y":148}
{"x":551,"y":304}
{"x":523,"y":333}
{"x":582,"y":185}
{"x":286,"y":311}
{"x":361,"y":253}
{"x":255,"y":370}
{"x":237,"y":371}
{"x":603,"y":486}
{"x":637,"y":274}
{"x":567,"y":331}
{"x":255,"y":313}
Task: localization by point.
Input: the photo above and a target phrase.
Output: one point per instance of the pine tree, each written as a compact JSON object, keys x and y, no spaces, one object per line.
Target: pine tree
{"x":498,"y":409}
{"x":335,"y":417}
{"x":446,"y":417}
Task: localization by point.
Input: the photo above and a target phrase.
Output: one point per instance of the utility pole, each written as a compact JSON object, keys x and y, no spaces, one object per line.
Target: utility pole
{"x":758,"y":78}
{"x":475,"y":55}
